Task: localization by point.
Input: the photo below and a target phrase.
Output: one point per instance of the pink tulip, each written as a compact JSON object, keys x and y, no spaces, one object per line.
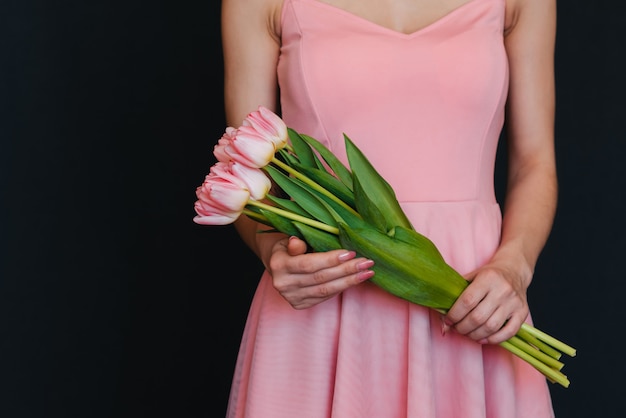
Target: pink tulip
{"x":221,"y":197}
{"x":248,"y":147}
{"x":269,"y":125}
{"x":210,"y":215}
{"x":256,"y":180}
{"x":219,"y":150}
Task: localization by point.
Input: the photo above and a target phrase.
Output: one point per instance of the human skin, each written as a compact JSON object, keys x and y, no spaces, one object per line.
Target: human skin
{"x":494,"y":306}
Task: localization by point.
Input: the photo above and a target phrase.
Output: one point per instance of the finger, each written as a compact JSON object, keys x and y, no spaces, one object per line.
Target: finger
{"x":296,"y":246}
{"x":348,"y":270}
{"x":508,"y":330}
{"x":314,"y":294}
{"x":312,"y":263}
{"x":445,"y":327}
{"x":488,"y":325}
{"x":482,"y":317}
{"x":465,"y":303}
{"x":344,"y":274}
{"x":317,"y":276}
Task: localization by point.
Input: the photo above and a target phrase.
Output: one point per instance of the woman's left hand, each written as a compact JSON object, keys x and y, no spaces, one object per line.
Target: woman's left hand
{"x":493,"y":307}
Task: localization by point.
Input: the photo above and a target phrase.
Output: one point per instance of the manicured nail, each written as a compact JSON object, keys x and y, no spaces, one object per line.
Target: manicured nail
{"x":364,"y":275}
{"x":363,"y":265}
{"x":349,"y":255}
{"x":444,"y":327}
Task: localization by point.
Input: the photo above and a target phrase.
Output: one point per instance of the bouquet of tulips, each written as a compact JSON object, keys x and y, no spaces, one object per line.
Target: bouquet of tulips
{"x":332,"y":206}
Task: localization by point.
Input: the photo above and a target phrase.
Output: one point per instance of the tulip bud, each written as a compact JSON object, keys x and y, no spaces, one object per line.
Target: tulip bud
{"x":269,"y":125}
{"x":250,"y":148}
{"x":256,"y":180}
{"x":221,"y":197}
{"x":219,"y":151}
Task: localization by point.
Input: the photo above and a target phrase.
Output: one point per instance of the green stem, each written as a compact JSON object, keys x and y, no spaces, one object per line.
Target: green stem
{"x":550,"y":373}
{"x":313,"y":184}
{"x":539,"y":355}
{"x":536,"y":358}
{"x":559,"y":345}
{"x":295,"y":217}
{"x":256,"y":216}
{"x":532,"y":340}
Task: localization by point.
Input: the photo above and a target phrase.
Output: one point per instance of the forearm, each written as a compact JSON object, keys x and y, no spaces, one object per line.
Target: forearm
{"x":250,"y":58}
{"x":260,"y":243}
{"x":529,"y":211}
{"x":531,"y":194}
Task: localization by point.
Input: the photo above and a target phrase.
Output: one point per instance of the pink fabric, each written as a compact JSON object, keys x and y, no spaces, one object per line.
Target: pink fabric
{"x":427,"y":109}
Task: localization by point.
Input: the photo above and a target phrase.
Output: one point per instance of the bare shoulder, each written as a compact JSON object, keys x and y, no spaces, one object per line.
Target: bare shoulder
{"x":251,"y":13}
{"x":528,"y":10}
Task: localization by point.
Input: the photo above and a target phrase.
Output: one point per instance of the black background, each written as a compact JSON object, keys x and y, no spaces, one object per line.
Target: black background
{"x":113,"y":303}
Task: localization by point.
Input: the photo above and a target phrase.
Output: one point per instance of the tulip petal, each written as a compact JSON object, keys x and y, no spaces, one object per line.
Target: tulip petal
{"x":250,"y":148}
{"x":215,"y":219}
{"x":268,"y":125}
{"x":257,"y":182}
{"x":219,"y":150}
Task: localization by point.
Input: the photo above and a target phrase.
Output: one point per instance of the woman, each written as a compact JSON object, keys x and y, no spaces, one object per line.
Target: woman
{"x":422,"y":87}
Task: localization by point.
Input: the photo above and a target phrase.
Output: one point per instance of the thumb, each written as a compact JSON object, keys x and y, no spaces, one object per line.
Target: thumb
{"x":296,"y":246}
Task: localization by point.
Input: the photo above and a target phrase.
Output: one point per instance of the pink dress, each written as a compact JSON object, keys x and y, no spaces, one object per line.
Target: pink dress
{"x":427,"y":109}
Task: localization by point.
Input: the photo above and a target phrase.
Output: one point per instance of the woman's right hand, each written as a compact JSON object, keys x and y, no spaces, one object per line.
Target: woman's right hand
{"x":305,"y":279}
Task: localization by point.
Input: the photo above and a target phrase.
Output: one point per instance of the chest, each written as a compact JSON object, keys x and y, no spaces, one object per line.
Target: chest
{"x":404,"y":16}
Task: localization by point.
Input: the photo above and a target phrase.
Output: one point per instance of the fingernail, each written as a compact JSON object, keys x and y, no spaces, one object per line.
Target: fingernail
{"x":365,"y":264}
{"x":347,"y":256}
{"x":483,"y":341}
{"x":444,"y":327}
{"x":364,"y":275}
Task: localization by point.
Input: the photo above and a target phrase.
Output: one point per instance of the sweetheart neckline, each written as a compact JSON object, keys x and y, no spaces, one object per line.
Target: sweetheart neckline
{"x":416,"y":32}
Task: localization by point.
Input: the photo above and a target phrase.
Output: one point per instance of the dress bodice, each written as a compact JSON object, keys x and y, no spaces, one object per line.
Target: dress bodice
{"x":426,"y":108}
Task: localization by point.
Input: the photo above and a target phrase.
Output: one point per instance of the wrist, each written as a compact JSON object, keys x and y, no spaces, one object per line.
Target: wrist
{"x":512,"y":258}
{"x":265,"y":243}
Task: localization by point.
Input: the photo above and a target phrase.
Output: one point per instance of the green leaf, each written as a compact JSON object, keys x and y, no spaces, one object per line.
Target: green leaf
{"x":378,"y":191}
{"x":255,"y":214}
{"x":287,"y":204}
{"x":423,"y":245}
{"x":287,"y":157}
{"x":339,"y":212}
{"x":367,"y":209}
{"x":301,"y":195}
{"x":317,"y":239}
{"x":401,"y":270}
{"x":329,"y":182}
{"x":340,"y":170}
{"x":282,"y":224}
{"x":301,"y":148}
